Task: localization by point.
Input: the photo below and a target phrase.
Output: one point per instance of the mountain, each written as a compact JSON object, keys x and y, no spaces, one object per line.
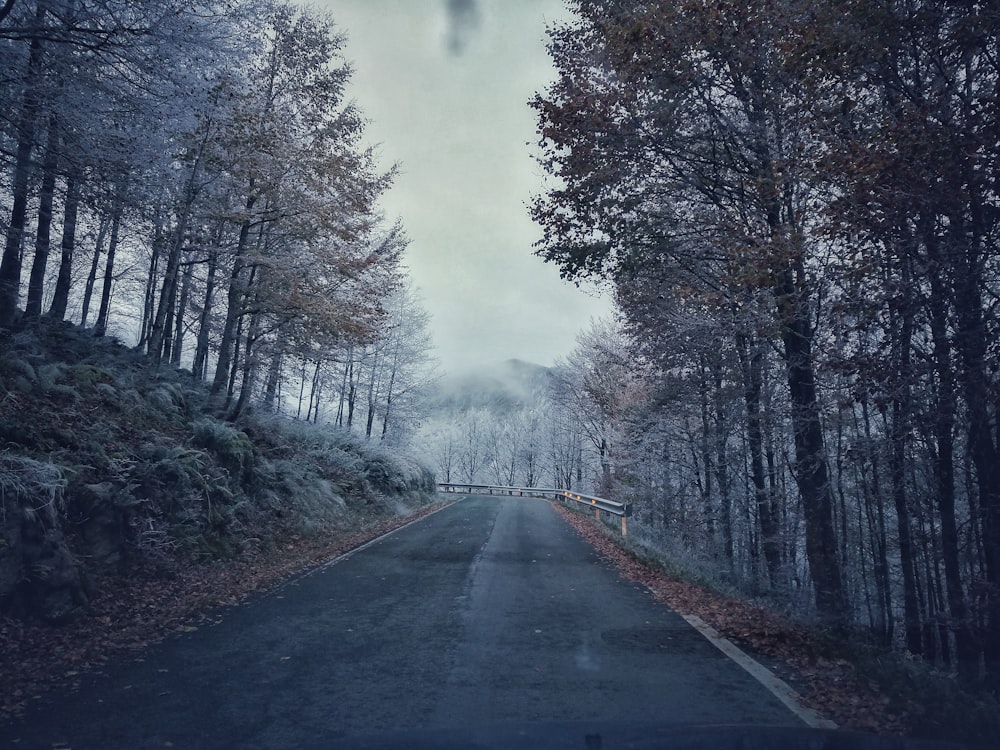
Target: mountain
{"x":500,"y":387}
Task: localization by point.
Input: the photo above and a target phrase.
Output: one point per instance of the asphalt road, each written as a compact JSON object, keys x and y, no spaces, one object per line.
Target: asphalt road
{"x":489,"y":613}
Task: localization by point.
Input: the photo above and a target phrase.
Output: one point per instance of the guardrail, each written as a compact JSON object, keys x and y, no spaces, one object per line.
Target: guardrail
{"x":598,"y":504}
{"x":493,"y":489}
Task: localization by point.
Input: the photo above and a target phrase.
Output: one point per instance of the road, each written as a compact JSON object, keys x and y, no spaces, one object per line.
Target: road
{"x":489,"y":613}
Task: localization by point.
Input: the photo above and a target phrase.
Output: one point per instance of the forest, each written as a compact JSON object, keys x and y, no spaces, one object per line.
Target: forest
{"x":796,"y":205}
{"x":209,"y":343}
{"x":213,"y":201}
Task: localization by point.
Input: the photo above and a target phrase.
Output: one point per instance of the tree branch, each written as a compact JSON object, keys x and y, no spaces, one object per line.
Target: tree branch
{"x":8,"y":6}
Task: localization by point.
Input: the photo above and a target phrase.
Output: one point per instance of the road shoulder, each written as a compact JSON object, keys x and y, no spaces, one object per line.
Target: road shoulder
{"x":824,"y":687}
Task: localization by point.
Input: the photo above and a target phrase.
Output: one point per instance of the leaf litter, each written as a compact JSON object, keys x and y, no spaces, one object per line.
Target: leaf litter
{"x":131,"y":613}
{"x":826,"y":684}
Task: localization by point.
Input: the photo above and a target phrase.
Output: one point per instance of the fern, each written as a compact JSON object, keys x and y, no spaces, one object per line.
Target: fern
{"x":14,"y":367}
{"x":231,"y":446}
{"x":49,"y":374}
{"x":34,"y":486}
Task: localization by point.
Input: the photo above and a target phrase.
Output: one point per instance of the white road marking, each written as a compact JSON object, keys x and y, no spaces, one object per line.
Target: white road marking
{"x":298,"y":577}
{"x":379,"y":539}
{"x":778,"y":687}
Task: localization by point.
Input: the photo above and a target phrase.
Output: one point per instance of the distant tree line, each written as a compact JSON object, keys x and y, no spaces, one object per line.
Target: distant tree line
{"x":191,"y":176}
{"x":796,"y":203}
{"x":533,"y":426}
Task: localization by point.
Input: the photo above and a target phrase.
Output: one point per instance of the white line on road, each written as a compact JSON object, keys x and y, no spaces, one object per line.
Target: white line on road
{"x":378,"y":539}
{"x":778,"y":687}
{"x":297,"y":578}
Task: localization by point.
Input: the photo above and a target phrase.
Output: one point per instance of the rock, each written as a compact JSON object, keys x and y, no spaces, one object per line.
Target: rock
{"x":39,"y":577}
{"x":103,"y":532}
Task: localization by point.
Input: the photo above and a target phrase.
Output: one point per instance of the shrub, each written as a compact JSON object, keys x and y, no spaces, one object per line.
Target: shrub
{"x":298,"y":495}
{"x":162,"y":399}
{"x":90,"y":375}
{"x":13,"y":367}
{"x":66,"y":393}
{"x":36,"y":487}
{"x":231,"y":446}
{"x":49,"y":374}
{"x":107,"y":392}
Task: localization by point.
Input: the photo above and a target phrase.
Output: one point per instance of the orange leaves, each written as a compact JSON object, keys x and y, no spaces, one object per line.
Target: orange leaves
{"x":826,"y":683}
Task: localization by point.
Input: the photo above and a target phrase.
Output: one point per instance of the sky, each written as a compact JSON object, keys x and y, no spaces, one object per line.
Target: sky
{"x":445,"y":85}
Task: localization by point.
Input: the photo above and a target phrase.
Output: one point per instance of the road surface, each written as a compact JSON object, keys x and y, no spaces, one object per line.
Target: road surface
{"x":490,"y":613}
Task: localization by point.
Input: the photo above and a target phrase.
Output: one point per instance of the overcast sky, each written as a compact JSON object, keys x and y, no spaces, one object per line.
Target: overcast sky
{"x":445,"y":85}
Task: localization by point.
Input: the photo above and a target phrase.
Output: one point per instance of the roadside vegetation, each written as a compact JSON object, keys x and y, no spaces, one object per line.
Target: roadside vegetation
{"x":840,"y":674}
{"x":191,"y":180}
{"x":113,"y":467}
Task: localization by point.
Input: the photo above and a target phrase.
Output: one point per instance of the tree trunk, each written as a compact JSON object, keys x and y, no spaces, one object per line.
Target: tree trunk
{"x":390,"y":392}
{"x":182,"y":304}
{"x":200,"y":367}
{"x":971,"y":344}
{"x":314,"y":393}
{"x":877,"y":523}
{"x":371,"y":398}
{"x":371,"y":420}
{"x":302,"y":390}
{"x":234,"y":303}
{"x":88,"y":287}
{"x":722,"y":466}
{"x":60,"y":297}
{"x":811,"y":471}
{"x":249,"y":366}
{"x":101,"y":326}
{"x":43,"y":233}
{"x":273,"y":379}
{"x":167,"y":335}
{"x":967,"y":653}
{"x":10,"y":264}
{"x":899,"y":430}
{"x":751,"y":363}
{"x":352,"y":394}
{"x":343,"y":387}
{"x":149,"y":296}
{"x":705,"y":455}
{"x":159,"y":332}
{"x":169,"y":289}
{"x":234,"y":369}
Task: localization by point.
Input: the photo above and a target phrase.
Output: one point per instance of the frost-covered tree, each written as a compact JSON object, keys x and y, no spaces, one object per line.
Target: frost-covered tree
{"x":791,"y":202}
{"x":210,"y":175}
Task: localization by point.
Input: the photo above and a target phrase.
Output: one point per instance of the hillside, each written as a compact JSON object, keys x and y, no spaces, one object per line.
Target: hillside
{"x":112,"y":469}
{"x":500,"y":387}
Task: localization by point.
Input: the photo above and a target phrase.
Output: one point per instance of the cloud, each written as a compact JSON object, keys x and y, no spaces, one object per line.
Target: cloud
{"x":463,"y":23}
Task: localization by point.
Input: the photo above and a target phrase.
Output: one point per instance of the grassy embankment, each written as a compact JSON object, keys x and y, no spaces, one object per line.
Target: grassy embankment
{"x":112,"y":469}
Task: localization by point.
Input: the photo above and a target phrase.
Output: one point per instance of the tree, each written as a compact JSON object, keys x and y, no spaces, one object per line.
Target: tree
{"x":305,"y":192}
{"x":592,"y":384}
{"x":408,"y":367}
{"x":95,"y":81}
{"x":911,"y":154}
{"x":674,"y":131}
